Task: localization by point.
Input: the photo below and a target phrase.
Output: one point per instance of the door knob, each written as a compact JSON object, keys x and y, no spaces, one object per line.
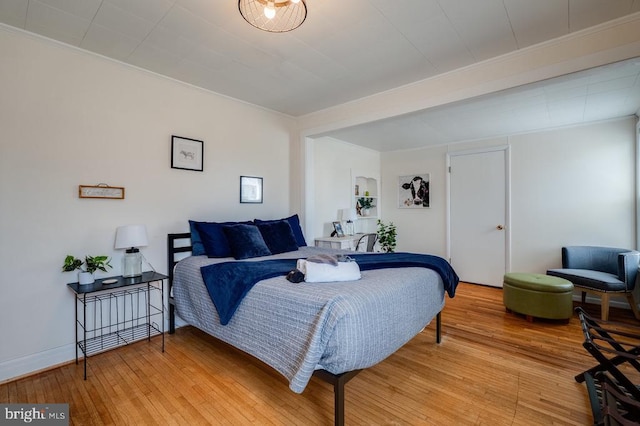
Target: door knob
{"x":499,"y":227}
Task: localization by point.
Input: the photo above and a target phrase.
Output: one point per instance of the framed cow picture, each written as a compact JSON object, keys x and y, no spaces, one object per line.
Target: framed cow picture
{"x":413,"y":191}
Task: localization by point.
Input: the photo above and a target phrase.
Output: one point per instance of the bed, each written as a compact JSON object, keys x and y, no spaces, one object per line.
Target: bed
{"x":330,"y":330}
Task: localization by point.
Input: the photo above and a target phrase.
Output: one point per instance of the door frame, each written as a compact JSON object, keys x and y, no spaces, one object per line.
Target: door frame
{"x":507,"y":195}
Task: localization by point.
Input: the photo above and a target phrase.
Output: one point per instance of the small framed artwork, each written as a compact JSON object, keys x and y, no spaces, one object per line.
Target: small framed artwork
{"x":337,"y":230}
{"x":186,"y":154}
{"x":250,"y":189}
{"x":413,"y":191}
{"x":101,"y":191}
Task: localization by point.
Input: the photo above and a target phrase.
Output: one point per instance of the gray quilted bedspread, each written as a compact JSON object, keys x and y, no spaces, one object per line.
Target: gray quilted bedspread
{"x":298,"y":328}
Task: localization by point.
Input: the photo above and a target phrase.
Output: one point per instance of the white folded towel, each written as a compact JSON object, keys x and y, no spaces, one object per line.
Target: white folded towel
{"x":326,"y":273}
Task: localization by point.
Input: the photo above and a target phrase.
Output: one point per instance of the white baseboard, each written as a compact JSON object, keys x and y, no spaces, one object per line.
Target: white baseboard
{"x":33,"y":363}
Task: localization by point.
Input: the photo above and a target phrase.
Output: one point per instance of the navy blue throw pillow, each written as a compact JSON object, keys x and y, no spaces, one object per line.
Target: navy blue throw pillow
{"x":294,"y":222}
{"x":245,"y":241}
{"x":279,"y":236}
{"x":214,"y":241}
{"x":197,"y":248}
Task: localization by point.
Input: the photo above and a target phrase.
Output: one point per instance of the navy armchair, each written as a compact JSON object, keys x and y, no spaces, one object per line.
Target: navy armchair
{"x":601,"y":270}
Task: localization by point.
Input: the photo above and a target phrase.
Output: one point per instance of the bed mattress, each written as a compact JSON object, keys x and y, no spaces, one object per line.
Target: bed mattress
{"x":297,"y":328}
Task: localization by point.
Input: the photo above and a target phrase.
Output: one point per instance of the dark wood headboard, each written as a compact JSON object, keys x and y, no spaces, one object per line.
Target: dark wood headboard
{"x":173,"y":250}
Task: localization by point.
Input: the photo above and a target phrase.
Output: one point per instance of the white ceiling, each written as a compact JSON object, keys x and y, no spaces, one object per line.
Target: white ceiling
{"x":345,"y":50}
{"x":602,"y":93}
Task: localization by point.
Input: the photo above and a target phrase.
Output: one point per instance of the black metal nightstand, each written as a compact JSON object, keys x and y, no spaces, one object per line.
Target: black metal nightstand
{"x":121,"y":311}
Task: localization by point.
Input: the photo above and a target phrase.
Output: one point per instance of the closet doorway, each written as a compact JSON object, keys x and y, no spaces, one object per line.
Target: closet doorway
{"x":478,"y":220}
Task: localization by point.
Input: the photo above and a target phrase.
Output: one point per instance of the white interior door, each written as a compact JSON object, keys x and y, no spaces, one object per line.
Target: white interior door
{"x":478,"y":231}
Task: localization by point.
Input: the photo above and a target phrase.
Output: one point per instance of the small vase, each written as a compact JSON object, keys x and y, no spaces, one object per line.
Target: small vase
{"x":85,"y":278}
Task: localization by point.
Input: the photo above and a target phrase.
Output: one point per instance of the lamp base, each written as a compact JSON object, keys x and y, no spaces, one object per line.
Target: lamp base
{"x":132,"y":263}
{"x":348,"y":228}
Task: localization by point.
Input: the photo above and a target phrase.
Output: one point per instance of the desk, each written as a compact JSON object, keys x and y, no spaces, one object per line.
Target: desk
{"x":348,"y":242}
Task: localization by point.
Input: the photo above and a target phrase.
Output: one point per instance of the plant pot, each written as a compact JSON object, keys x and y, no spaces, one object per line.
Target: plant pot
{"x":85,"y":278}
{"x":366,"y":212}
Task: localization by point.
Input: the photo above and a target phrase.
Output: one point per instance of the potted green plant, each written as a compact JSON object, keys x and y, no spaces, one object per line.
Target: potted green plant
{"x":365,"y":203}
{"x":91,"y":265}
{"x":387,"y":236}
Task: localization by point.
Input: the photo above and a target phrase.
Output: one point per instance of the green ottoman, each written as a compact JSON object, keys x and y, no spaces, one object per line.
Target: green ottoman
{"x":538,"y":295}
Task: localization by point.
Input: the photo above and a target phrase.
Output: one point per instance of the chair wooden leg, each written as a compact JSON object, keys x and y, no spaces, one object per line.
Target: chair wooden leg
{"x":634,"y":305}
{"x":584,"y":297}
{"x":604,"y":306}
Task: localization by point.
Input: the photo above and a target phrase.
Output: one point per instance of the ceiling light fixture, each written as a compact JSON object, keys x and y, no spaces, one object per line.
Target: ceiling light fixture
{"x":274,"y":16}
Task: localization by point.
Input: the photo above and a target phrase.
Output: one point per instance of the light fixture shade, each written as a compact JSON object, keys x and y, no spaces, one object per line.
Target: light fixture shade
{"x":289,"y":14}
{"x":348,"y":215}
{"x":129,"y":236}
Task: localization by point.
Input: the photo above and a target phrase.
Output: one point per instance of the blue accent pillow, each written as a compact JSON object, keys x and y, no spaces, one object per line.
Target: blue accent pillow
{"x":278,"y":236}
{"x":214,"y":241}
{"x":197,"y":248}
{"x":294,"y":222}
{"x":245,"y":241}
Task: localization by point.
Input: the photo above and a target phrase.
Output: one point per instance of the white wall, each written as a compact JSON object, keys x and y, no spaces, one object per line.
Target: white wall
{"x":334,"y":163}
{"x":568,"y":186}
{"x":68,"y":118}
{"x":418,"y":230}
{"x":572,"y":186}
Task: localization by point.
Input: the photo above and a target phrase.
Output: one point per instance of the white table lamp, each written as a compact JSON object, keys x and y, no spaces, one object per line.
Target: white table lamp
{"x":131,"y":237}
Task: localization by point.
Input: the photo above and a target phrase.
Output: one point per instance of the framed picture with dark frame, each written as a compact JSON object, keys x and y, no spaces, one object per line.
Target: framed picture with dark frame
{"x":337,"y":230}
{"x":250,"y":189}
{"x":186,"y":153}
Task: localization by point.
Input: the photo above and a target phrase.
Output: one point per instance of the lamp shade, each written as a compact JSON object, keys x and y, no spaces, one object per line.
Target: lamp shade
{"x":348,"y":215}
{"x":130,"y":236}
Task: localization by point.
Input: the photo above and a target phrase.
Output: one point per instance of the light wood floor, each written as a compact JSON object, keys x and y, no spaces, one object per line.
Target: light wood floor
{"x":492,"y":368}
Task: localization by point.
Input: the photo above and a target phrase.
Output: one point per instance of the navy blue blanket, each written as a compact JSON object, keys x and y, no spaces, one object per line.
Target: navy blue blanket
{"x":228,"y":282}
